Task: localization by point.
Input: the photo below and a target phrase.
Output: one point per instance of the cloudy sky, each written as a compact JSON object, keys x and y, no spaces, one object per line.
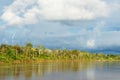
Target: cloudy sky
{"x":73,"y":24}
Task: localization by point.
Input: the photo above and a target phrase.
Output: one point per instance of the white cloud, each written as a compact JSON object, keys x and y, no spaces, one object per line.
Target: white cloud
{"x":20,"y":12}
{"x":73,"y":9}
{"x":29,"y":11}
{"x":11,"y":18}
{"x":90,"y":43}
{"x":31,"y":15}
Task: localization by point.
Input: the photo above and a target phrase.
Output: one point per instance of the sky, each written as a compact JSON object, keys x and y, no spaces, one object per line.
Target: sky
{"x":71,"y":24}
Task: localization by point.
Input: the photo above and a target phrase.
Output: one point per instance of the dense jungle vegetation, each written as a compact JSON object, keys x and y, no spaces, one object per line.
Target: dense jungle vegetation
{"x":9,"y":53}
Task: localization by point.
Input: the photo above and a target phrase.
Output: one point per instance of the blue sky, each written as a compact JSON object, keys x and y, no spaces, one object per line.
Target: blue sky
{"x":72,"y":24}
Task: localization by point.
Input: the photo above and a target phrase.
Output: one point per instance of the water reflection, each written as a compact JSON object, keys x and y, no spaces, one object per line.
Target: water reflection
{"x":59,"y":71}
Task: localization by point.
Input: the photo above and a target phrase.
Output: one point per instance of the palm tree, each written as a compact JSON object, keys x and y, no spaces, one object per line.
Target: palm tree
{"x":40,"y":48}
{"x":28,"y":48}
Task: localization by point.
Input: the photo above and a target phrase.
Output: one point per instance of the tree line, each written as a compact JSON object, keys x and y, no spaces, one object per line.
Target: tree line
{"x":28,"y":52}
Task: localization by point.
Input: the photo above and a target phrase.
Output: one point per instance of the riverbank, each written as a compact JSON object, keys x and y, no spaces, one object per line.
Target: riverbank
{"x":45,"y":61}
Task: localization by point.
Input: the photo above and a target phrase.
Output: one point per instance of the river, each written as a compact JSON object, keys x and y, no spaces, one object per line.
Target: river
{"x":61,"y":71}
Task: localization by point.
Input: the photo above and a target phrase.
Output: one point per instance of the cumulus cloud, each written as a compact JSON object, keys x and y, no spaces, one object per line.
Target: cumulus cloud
{"x":20,"y":12}
{"x":90,"y":43}
{"x":29,"y":11}
{"x":73,"y":9}
{"x":11,"y":18}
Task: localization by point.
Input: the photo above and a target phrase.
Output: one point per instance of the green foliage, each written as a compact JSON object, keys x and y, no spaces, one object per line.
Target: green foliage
{"x":28,"y":52}
{"x":2,"y":57}
{"x":9,"y":52}
{"x":29,"y":45}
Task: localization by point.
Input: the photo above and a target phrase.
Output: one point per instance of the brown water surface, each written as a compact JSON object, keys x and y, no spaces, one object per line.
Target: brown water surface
{"x":61,"y":71}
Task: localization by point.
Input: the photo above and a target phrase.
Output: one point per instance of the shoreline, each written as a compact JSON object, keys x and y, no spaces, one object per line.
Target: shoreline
{"x":57,"y":60}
